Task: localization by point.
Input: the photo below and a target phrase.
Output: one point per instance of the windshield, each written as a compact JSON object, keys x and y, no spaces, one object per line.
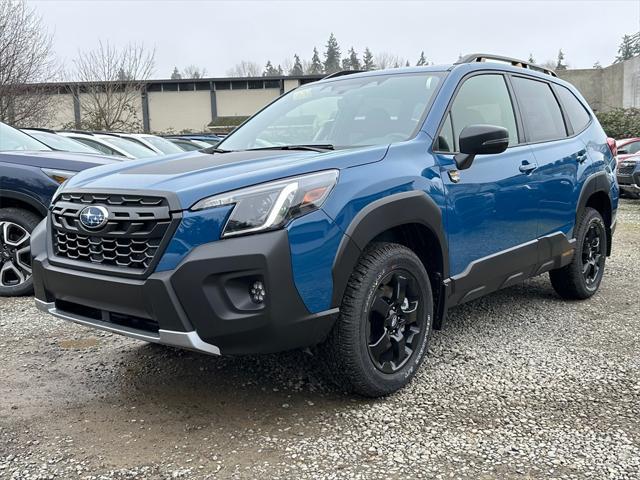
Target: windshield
{"x":12,"y":139}
{"x":131,"y":147}
{"x":348,"y":112}
{"x":165,"y":146}
{"x":59,"y":142}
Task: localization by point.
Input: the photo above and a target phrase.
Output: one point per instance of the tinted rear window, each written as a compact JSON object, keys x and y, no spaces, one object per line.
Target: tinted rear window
{"x":578,"y":115}
{"x":541,"y":113}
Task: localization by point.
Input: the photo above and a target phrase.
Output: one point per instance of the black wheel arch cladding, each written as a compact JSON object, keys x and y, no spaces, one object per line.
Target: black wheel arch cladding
{"x":412,"y":207}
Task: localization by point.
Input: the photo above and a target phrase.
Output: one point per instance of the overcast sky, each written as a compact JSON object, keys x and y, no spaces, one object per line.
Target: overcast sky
{"x":217,"y":34}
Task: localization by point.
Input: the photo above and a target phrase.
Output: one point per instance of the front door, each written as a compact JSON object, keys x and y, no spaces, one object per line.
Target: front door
{"x":492,"y":206}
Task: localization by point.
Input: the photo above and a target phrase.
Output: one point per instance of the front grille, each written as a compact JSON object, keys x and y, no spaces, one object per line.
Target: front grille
{"x":626,"y":168}
{"x":130,"y":241}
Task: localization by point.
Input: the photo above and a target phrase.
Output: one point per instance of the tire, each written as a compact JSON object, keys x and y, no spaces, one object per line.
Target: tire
{"x":374,"y":315}
{"x":582,"y":277}
{"x":16,"y":226}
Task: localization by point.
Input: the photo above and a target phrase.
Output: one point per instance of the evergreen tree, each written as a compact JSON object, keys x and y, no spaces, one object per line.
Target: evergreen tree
{"x":332,"y":55}
{"x":407,"y":64}
{"x":422,"y":61}
{"x":560,"y":65}
{"x":629,"y":47}
{"x":297,"y":66}
{"x":176,"y":74}
{"x":531,"y":59}
{"x":367,"y":60}
{"x":346,"y":64}
{"x":271,"y":71}
{"x":354,"y":61}
{"x":316,"y":65}
{"x":597,"y":65}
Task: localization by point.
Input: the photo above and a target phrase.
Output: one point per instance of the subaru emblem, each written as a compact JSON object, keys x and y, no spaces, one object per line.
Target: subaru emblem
{"x":94,"y":217}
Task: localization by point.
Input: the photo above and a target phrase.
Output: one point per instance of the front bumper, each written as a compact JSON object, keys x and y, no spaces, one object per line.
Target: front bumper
{"x":203,"y":304}
{"x":630,"y":182}
{"x":189,"y":340}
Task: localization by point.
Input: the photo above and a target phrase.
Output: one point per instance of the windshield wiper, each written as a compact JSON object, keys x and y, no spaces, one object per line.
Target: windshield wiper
{"x":321,"y":147}
{"x":213,"y":149}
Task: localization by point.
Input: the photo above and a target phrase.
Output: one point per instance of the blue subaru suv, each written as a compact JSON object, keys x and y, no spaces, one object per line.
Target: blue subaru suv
{"x":30,"y":173}
{"x":349,"y":215}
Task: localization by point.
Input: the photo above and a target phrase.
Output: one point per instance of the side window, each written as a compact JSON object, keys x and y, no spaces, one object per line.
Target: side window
{"x":97,"y":146}
{"x":578,"y":115}
{"x":483,"y":99}
{"x":541,"y":113}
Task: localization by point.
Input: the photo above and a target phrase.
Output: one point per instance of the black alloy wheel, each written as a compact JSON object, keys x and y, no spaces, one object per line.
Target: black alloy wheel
{"x":394,"y":321}
{"x":592,"y":254}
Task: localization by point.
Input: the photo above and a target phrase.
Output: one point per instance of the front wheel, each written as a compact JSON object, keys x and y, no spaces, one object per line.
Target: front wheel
{"x":381,"y":335}
{"x":16,"y":226}
{"x":582,"y":277}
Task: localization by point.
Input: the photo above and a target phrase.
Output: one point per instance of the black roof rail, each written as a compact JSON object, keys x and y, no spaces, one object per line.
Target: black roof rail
{"x":84,"y":132}
{"x":104,"y":132}
{"x":39,"y":129}
{"x":342,"y":73}
{"x":484,"y":57}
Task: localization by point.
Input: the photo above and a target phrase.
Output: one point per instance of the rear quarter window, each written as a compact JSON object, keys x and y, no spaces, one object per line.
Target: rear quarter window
{"x":575,"y":110}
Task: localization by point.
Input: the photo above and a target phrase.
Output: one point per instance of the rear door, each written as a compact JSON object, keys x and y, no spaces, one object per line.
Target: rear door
{"x":560,"y":154}
{"x":491,"y":206}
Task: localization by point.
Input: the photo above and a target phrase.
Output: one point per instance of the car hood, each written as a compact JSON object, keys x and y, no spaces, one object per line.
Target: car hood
{"x":74,"y":162}
{"x":195,"y":175}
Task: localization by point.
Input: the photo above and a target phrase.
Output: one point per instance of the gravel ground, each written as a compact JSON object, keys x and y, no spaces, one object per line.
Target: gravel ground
{"x":518,"y":385}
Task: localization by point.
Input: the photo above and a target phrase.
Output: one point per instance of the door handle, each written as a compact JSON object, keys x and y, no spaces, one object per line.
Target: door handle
{"x":581,"y":156}
{"x":527,"y":167}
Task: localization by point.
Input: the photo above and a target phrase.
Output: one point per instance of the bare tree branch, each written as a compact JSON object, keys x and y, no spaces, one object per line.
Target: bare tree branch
{"x":192,"y":71}
{"x":26,"y":61}
{"x":113,"y":80}
{"x":246,"y":69}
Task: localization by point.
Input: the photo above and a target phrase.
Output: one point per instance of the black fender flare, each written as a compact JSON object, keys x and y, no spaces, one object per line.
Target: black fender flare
{"x":598,"y":182}
{"x":377,"y":217}
{"x":24,"y":198}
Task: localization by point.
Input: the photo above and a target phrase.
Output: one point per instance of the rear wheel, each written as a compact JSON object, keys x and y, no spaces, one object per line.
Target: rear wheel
{"x":16,"y":226}
{"x":582,"y":277}
{"x":381,"y":335}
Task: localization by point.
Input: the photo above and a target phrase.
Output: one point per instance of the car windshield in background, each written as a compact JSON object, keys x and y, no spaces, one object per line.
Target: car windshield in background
{"x":12,"y":140}
{"x":131,"y":147}
{"x":58,"y":142}
{"x":165,"y":146}
{"x":349,"y":112}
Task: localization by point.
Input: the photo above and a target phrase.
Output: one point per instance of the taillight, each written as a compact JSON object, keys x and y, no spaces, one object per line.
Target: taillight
{"x":613,"y":147}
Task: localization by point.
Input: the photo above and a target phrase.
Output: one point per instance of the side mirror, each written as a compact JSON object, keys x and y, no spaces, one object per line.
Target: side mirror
{"x":480,"y":140}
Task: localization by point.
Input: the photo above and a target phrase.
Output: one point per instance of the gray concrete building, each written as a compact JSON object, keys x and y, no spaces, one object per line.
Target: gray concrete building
{"x":174,"y":106}
{"x":615,"y":86}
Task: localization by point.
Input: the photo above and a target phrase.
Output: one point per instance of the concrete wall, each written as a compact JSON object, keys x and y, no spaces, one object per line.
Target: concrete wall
{"x":178,"y":111}
{"x":242,"y":103}
{"x":631,"y":83}
{"x":615,"y":86}
{"x":62,"y":111}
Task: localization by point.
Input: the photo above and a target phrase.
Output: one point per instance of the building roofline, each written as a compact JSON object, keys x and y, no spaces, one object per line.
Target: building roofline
{"x":180,"y":81}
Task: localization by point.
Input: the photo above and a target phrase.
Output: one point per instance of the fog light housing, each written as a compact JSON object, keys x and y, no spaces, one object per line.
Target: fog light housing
{"x":257,"y":292}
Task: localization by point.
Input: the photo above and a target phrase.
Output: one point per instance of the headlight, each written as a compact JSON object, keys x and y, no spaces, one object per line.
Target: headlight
{"x":271,"y":205}
{"x":59,"y":176}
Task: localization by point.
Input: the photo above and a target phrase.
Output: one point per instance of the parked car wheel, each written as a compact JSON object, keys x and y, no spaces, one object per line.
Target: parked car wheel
{"x":381,"y":335}
{"x":16,"y":226}
{"x":581,"y":278}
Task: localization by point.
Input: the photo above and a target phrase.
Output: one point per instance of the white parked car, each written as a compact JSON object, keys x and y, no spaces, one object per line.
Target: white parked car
{"x":160,"y":145}
{"x":112,"y":144}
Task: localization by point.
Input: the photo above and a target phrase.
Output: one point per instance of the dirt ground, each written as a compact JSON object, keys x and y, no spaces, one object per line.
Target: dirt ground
{"x":518,"y":385}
